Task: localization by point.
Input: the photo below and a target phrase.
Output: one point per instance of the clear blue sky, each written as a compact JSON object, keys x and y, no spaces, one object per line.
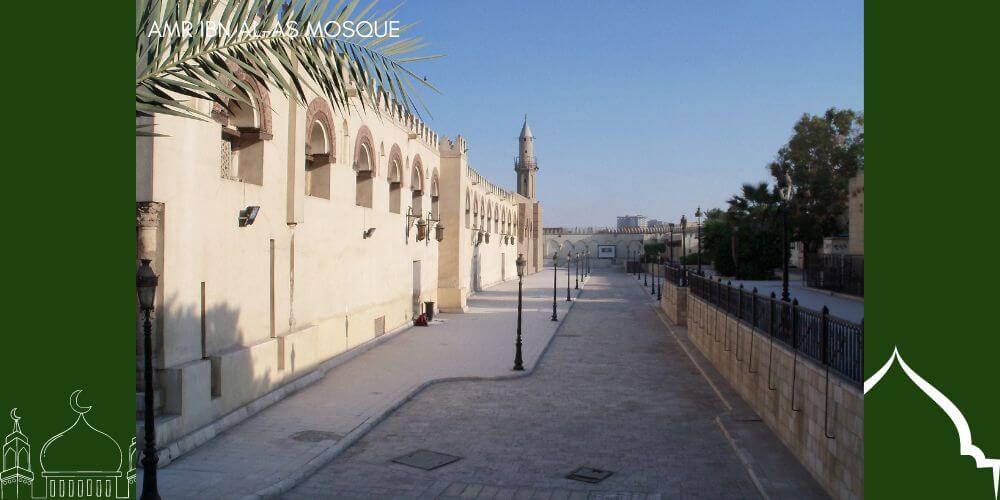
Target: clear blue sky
{"x":648,"y":107}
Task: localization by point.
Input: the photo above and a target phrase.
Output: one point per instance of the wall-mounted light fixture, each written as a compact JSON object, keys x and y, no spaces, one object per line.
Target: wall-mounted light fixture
{"x":421,"y":229}
{"x":368,"y":233}
{"x":435,"y":222}
{"x":248,"y":215}
{"x":410,"y":216}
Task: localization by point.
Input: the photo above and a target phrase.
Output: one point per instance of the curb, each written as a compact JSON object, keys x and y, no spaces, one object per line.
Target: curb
{"x":319,"y":461}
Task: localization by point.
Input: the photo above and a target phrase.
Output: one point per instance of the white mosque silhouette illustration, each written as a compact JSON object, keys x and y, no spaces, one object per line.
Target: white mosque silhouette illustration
{"x":66,"y":472}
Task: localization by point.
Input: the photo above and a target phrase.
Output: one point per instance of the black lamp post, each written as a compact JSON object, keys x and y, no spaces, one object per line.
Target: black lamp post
{"x":645,"y":274}
{"x":569,"y":256}
{"x":576,"y":267}
{"x":670,"y":244}
{"x":518,"y":362}
{"x":652,"y":290}
{"x":638,"y":269}
{"x":698,"y":215}
{"x":145,"y":283}
{"x":785,"y":189}
{"x":659,"y":290}
{"x":555,"y":286}
{"x":684,"y":223}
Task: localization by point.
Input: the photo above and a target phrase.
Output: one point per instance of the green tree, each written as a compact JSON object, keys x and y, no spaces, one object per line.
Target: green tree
{"x":171,"y":70}
{"x":755,"y":233}
{"x":823,"y":153}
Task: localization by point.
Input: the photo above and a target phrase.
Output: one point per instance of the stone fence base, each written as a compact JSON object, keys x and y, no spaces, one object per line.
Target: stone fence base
{"x":825,"y":430}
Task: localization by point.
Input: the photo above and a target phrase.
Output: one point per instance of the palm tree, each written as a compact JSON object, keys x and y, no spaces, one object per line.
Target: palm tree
{"x":754,"y":208}
{"x":172,"y":69}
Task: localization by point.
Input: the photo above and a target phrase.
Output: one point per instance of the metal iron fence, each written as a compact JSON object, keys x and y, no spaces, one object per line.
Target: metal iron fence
{"x":838,"y":273}
{"x":673,"y":274}
{"x":831,"y":341}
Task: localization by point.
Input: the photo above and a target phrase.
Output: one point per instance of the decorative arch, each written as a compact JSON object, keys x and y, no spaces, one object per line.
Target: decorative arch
{"x":394,"y":175}
{"x":259,"y":96}
{"x":365,"y":156}
{"x":435,"y":195}
{"x":320,"y":113}
{"x":417,"y":186}
{"x":365,"y":167}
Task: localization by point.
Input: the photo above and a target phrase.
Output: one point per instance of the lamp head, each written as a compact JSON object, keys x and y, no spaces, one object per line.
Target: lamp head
{"x":145,"y":284}
{"x":521,"y":263}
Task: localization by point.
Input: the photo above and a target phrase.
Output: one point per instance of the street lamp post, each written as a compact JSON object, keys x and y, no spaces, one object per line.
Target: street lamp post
{"x":638,"y":268}
{"x":576,"y":263}
{"x":659,"y":290}
{"x":555,"y":286}
{"x":670,"y":244}
{"x":645,"y":274}
{"x":145,"y":283}
{"x":569,"y":255}
{"x":785,"y":189}
{"x":698,"y":215}
{"x":652,"y":290}
{"x":518,"y":362}
{"x":684,"y":223}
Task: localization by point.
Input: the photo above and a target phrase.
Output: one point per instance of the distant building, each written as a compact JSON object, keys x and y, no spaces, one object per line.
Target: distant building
{"x":625,"y":221}
{"x":655,"y":223}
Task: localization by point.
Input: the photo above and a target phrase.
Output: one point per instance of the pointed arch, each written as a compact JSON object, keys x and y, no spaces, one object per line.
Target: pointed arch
{"x":394,"y":176}
{"x":417,"y":186}
{"x":365,"y":167}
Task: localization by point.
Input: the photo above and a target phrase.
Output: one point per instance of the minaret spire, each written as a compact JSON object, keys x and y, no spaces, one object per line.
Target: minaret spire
{"x":525,"y":165}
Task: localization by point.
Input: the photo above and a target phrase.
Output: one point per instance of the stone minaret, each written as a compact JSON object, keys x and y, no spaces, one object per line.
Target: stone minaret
{"x":525,"y":165}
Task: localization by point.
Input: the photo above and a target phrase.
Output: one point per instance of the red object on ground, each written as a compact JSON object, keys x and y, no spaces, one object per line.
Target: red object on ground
{"x":420,"y":321}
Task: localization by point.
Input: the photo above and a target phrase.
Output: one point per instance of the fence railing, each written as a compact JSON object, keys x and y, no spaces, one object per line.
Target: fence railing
{"x":831,"y":341}
{"x":838,"y":273}
{"x":673,"y":274}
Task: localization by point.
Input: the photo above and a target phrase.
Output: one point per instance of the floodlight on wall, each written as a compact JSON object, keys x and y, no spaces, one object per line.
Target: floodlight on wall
{"x":368,"y":233}
{"x":248,"y":215}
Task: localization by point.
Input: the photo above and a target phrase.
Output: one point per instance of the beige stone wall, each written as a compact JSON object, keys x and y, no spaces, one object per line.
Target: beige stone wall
{"x":674,"y":302}
{"x":753,"y":367}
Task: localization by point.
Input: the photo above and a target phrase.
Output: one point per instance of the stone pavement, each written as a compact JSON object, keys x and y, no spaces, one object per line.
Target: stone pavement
{"x":278,"y":447}
{"x":617,"y":390}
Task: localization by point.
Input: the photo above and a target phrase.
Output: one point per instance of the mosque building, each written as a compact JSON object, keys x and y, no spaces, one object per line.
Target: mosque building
{"x":285,"y":235}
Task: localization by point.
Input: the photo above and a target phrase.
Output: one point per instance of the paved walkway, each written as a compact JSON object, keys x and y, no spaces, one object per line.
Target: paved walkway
{"x":618,"y":390}
{"x":276,"y":448}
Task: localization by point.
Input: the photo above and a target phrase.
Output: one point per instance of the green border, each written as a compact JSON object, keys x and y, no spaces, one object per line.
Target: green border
{"x":68,"y":211}
{"x":932,"y":90}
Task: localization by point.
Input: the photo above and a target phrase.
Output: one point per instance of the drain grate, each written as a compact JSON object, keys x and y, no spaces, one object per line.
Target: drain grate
{"x":589,"y":475}
{"x":425,"y":459}
{"x":316,"y":436}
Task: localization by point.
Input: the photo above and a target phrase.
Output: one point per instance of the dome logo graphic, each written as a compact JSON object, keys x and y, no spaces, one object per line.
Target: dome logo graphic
{"x":66,"y":472}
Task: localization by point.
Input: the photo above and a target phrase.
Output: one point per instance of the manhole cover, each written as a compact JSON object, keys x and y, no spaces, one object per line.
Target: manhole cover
{"x":589,"y":475}
{"x":425,"y":459}
{"x":315,"y":436}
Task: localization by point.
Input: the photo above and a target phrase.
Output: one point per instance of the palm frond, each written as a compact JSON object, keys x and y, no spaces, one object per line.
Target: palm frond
{"x":173,"y":71}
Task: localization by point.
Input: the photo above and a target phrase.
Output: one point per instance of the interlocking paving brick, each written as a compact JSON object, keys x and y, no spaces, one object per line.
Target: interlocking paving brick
{"x":622,"y":395}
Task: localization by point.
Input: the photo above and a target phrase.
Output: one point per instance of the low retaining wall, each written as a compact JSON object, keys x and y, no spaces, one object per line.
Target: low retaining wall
{"x":675,"y":303}
{"x":826,"y":433}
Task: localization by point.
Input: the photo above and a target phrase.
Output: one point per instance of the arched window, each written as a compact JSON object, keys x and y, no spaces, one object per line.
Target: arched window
{"x":435,"y":196}
{"x":365,"y":168}
{"x":417,"y":187}
{"x":468,"y":210}
{"x":395,"y":178}
{"x":246,"y":124}
{"x":320,"y":145}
